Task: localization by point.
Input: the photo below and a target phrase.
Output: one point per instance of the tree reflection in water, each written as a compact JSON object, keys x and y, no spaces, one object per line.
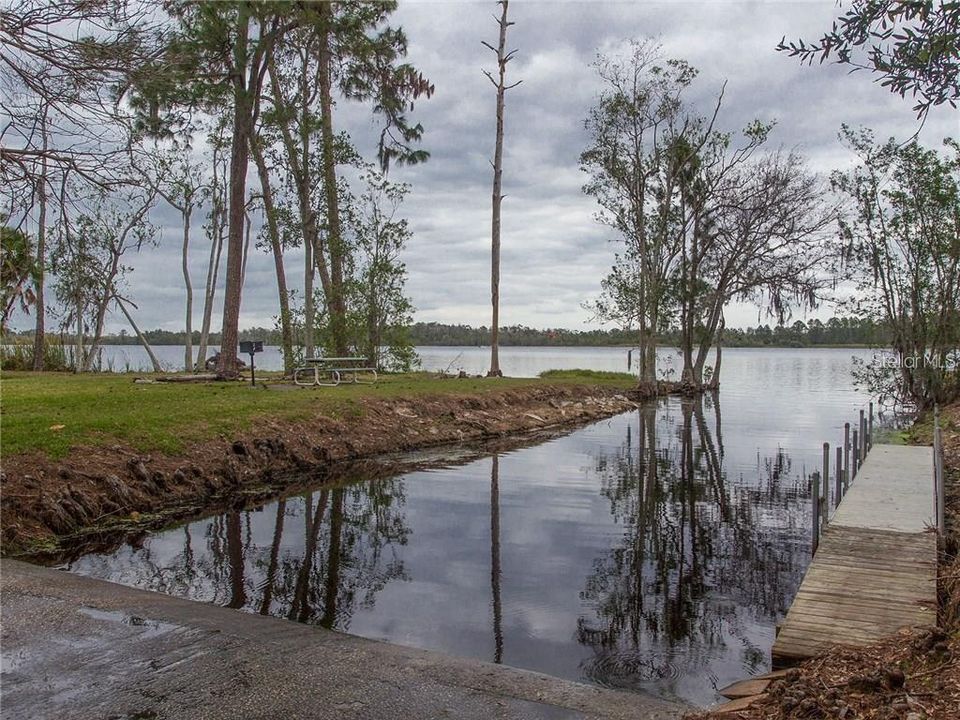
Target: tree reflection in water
{"x":328,"y":553}
{"x":640,"y":552}
{"x":701,"y":560}
{"x":495,"y":559}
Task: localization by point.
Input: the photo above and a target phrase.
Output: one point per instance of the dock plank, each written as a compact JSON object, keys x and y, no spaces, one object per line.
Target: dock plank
{"x":875,"y":570}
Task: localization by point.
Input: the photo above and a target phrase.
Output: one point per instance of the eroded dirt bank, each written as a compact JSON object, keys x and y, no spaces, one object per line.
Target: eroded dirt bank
{"x":97,"y":493}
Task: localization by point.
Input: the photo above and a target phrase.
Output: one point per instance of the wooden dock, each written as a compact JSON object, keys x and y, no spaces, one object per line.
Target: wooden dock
{"x":875,"y":569}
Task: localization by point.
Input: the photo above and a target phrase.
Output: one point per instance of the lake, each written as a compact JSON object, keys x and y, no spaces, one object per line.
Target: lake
{"x":652,"y":552}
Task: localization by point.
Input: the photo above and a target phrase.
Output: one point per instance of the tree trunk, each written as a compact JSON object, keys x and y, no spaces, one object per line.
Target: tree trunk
{"x":157,"y":368}
{"x":309,"y":312}
{"x":102,"y":304}
{"x":247,"y":229}
{"x":286,"y":331}
{"x":239,"y":152}
{"x":210,"y":290}
{"x":213,"y":264}
{"x":335,"y":301}
{"x":502,"y":59}
{"x":706,"y":342}
{"x":79,"y":362}
{"x":188,"y":340}
{"x":298,"y":160}
{"x":39,"y":340}
{"x":715,"y":380}
{"x":373,"y":325}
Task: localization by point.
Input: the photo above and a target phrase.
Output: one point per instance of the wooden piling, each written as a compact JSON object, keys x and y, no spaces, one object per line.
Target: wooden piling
{"x":863,"y":437}
{"x":839,"y":473}
{"x":815,"y":497}
{"x":826,"y":478}
{"x":938,"y":478}
{"x":855,"y":464}
{"x":846,"y":457}
{"x":870,"y":428}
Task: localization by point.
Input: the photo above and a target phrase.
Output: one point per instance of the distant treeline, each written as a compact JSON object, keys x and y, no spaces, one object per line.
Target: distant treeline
{"x":837,"y":331}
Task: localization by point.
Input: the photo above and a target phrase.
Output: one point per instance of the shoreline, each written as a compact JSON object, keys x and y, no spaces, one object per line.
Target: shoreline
{"x":98,"y":495}
{"x":119,"y":651}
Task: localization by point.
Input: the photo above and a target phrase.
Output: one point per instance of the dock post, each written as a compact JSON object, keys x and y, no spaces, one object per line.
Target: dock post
{"x":815,"y":497}
{"x":863,"y":437}
{"x":938,"y":478}
{"x":846,"y":456}
{"x":824,"y":504}
{"x":856,"y":454}
{"x":870,"y":428}
{"x":826,"y":478}
{"x":839,"y":472}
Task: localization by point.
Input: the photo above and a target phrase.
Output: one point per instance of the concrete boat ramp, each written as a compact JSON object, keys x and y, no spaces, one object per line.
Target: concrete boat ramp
{"x":875,"y":570}
{"x":76,"y":647}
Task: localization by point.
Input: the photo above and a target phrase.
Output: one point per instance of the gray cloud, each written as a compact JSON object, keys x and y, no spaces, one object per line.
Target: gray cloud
{"x":554,"y":253}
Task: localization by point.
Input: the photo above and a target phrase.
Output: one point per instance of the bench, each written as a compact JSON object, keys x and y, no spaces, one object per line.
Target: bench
{"x":315,"y":371}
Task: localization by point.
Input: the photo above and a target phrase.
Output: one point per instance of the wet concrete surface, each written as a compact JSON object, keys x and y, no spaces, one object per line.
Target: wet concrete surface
{"x":76,"y":647}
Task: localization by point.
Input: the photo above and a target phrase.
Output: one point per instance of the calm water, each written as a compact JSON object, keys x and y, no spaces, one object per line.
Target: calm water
{"x":516,"y":361}
{"x":653,"y":552}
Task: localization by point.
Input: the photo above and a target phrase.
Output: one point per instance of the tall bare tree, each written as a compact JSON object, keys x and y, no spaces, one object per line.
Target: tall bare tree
{"x":180,"y":182}
{"x":634,"y":173}
{"x":90,"y":262}
{"x":503,"y":57}
{"x":215,"y":226}
{"x":39,"y":332}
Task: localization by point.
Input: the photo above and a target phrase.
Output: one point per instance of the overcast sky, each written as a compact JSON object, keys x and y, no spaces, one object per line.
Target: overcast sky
{"x":554,"y":253}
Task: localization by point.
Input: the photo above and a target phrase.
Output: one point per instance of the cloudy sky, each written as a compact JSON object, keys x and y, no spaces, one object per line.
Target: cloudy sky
{"x":554,"y":253}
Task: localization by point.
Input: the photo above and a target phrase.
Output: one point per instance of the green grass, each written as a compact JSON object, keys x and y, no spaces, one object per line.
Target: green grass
{"x":588,"y":375}
{"x":107,"y":409}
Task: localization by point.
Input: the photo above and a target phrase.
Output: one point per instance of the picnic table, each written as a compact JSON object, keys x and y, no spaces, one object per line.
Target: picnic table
{"x":330,"y":371}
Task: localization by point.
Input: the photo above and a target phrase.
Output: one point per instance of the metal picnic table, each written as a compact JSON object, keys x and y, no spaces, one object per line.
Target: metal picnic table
{"x":317,"y":368}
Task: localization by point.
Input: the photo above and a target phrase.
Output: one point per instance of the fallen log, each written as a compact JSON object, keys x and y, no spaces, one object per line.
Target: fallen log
{"x":198,"y":377}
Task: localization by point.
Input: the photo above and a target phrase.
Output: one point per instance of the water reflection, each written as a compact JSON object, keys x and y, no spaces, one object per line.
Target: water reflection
{"x":495,"y":558}
{"x":634,"y":553}
{"x":705,"y":565}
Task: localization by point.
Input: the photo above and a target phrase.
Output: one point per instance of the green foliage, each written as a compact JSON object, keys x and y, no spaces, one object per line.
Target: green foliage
{"x":371,"y":70}
{"x":381,"y":311}
{"x":632,"y":164}
{"x":902,"y":249}
{"x":88,"y":261}
{"x":19,"y":270}
{"x":702,"y":216}
{"x":19,"y":356}
{"x":586,"y":375}
{"x":914,"y":47}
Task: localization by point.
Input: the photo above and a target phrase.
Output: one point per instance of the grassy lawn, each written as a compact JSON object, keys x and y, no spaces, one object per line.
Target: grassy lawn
{"x":108,"y":409}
